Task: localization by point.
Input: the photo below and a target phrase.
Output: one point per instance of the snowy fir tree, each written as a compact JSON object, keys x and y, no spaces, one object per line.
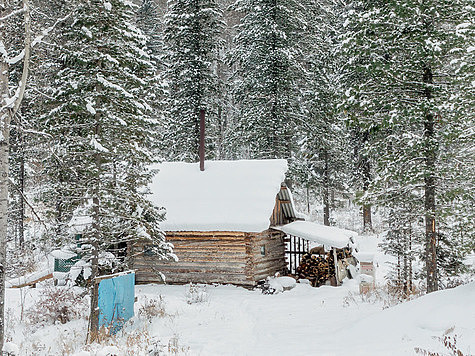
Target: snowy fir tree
{"x":101,"y":126}
{"x":149,"y":20}
{"x":323,"y":155}
{"x":192,"y":44}
{"x":268,"y":67}
{"x":399,"y":53}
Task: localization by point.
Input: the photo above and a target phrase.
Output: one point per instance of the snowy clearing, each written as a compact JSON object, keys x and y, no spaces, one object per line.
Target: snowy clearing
{"x":229,"y":320}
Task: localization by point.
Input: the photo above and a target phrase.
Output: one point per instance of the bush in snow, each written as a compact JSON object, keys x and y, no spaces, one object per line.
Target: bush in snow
{"x":55,"y":305}
{"x":152,"y":308}
{"x":174,"y":347}
{"x":196,"y":294}
{"x":385,"y":295}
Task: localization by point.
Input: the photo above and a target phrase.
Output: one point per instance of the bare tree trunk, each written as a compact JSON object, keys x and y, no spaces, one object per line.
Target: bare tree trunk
{"x":21,"y":217}
{"x":364,"y":168}
{"x":429,"y":190}
{"x":7,"y":111}
{"x":326,"y":190}
{"x":367,"y":220}
{"x":93,"y":331}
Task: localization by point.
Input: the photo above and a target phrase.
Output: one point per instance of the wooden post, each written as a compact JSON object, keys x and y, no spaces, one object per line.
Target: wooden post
{"x":335,"y":258}
{"x":202,"y":140}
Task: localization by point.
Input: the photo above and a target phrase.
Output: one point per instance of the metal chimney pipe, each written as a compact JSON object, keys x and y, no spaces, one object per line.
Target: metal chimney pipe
{"x":202,"y":140}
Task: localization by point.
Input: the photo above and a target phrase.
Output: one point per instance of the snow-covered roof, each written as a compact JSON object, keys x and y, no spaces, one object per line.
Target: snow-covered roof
{"x":226,"y":196}
{"x":325,"y":235}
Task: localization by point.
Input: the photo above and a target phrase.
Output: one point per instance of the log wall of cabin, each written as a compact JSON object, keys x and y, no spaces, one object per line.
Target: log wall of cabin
{"x":214,"y":257}
{"x":204,"y":257}
{"x":273,"y":259}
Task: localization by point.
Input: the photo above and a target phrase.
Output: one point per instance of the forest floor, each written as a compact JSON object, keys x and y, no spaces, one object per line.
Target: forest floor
{"x":228,"y":320}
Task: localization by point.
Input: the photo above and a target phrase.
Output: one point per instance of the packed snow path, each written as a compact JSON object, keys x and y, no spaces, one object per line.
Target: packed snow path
{"x":303,"y":321}
{"x":314,"y":321}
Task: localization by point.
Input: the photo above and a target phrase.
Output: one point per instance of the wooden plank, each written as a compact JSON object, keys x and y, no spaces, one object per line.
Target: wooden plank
{"x":31,"y":283}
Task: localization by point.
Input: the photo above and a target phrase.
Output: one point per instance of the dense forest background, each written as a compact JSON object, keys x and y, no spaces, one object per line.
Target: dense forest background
{"x":371,"y":103}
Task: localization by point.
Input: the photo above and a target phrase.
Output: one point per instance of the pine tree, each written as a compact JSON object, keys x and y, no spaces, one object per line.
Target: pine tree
{"x":399,"y":52}
{"x":149,"y":19}
{"x":324,"y":152}
{"x":268,"y":66}
{"x":102,"y":129}
{"x":192,"y":45}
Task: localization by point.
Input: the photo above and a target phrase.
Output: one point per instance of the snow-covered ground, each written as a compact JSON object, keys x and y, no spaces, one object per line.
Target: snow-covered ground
{"x":229,"y":320}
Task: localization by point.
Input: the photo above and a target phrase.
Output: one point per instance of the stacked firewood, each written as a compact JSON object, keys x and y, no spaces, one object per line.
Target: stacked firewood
{"x":320,"y":268}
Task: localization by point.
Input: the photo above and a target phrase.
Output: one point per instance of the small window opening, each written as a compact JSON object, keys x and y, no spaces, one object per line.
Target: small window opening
{"x":263,"y":250}
{"x":149,"y":250}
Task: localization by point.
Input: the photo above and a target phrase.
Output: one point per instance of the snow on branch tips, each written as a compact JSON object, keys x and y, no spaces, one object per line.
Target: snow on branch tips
{"x":7,"y":59}
{"x":47,"y":31}
{"x":13,"y":13}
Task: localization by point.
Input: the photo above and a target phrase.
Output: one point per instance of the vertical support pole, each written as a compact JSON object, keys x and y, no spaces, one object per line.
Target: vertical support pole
{"x":202,"y":140}
{"x":335,"y":258}
{"x":300,"y":249}
{"x":289,"y":251}
{"x":295,"y":253}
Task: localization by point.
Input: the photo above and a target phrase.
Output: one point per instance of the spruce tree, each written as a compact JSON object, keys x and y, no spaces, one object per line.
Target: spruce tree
{"x":149,"y":19}
{"x":102,"y":129}
{"x":399,"y":52}
{"x":323,"y":141}
{"x":268,"y":67}
{"x":192,"y":44}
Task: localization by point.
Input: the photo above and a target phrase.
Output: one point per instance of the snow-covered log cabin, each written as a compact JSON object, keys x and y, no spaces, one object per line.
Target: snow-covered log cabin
{"x":220,"y":222}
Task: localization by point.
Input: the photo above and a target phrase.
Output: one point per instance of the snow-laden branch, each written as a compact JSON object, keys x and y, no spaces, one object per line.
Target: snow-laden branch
{"x":10,"y":102}
{"x":26,"y":59}
{"x":46,"y":31}
{"x":13,"y":13}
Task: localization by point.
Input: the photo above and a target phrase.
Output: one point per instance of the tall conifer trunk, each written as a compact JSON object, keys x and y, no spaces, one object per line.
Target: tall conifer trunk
{"x":429,"y":188}
{"x":366,"y":172}
{"x":96,"y":236}
{"x":326,"y":190}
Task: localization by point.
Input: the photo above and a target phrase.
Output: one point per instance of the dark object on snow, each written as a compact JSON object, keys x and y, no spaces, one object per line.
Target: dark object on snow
{"x":319,"y":269}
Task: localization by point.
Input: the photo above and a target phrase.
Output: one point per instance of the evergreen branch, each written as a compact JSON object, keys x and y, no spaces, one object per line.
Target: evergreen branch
{"x":27,"y":203}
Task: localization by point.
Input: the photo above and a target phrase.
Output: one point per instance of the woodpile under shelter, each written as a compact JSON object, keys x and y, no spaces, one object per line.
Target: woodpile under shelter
{"x":221,"y":222}
{"x":317,"y":252}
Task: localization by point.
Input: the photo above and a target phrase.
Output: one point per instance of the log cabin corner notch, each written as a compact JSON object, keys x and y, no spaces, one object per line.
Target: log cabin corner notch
{"x":220,"y":222}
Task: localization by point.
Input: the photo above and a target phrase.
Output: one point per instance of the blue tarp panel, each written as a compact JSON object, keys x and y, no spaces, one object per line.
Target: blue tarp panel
{"x":116,"y":301}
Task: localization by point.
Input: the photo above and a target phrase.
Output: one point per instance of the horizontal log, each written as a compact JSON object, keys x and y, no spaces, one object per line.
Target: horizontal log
{"x":197,"y":277}
{"x":194,"y":266}
{"x":209,"y":247}
{"x":204,"y":233}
